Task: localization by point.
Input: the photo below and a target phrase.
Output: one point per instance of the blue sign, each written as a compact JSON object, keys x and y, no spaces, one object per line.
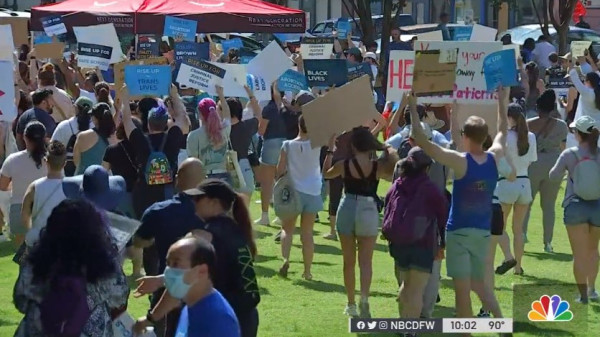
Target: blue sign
{"x":232,"y":43}
{"x":343,"y":28}
{"x":462,"y":33}
{"x":292,"y":81}
{"x":41,"y":39}
{"x":500,"y":68}
{"x":53,"y":25}
{"x":358,"y":70}
{"x":326,"y":73}
{"x":245,"y":59}
{"x":148,"y":80}
{"x":180,"y":28}
{"x":147,"y":46}
{"x":190,"y":50}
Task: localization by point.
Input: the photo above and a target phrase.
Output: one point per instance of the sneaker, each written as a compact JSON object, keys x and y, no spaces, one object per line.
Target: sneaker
{"x":579,"y":300}
{"x":330,"y":236}
{"x":278,"y":237}
{"x":351,"y":310}
{"x":548,"y":248}
{"x":263,"y":221}
{"x":506,"y":266}
{"x":364,"y":311}
{"x":483,"y":314}
{"x":592,"y":295}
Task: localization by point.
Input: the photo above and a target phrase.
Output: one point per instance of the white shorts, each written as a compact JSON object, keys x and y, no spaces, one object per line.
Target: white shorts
{"x":515,"y":192}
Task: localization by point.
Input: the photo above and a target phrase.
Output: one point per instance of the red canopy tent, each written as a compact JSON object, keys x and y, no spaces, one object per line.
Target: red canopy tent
{"x":221,"y":16}
{"x":90,"y":13}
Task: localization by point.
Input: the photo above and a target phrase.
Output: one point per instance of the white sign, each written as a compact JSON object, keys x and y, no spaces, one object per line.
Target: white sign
{"x":400,"y":74}
{"x":435,"y":35}
{"x":53,"y":25}
{"x":470,"y":86}
{"x":483,"y":34}
{"x":93,"y":55}
{"x":578,"y":48}
{"x":234,"y":80}
{"x":6,"y":43}
{"x":7,"y":93}
{"x":202,"y":75}
{"x":589,"y":4}
{"x":260,"y":87}
{"x":104,"y":35}
{"x":316,"y":48}
{"x":271,"y":63}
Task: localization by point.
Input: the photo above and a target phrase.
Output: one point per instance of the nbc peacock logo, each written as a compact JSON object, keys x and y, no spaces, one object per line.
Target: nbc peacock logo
{"x":550,"y":309}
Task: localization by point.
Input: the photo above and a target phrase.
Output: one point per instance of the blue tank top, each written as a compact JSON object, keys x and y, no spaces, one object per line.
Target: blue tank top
{"x":472,"y":196}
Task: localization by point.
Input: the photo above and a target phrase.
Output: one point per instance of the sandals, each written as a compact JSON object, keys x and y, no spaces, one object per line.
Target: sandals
{"x":283,"y":271}
{"x":307,"y":277}
{"x":506,"y":266}
{"x":519,"y":272}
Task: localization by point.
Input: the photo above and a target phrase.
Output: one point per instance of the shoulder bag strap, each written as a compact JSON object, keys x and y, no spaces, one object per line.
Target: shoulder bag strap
{"x":163,"y":142}
{"x":33,"y":215}
{"x":128,"y":156}
{"x":71,"y":127}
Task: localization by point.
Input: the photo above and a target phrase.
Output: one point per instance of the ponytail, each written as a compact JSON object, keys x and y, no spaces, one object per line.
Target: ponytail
{"x":83,"y":119}
{"x":521,"y":129}
{"x":213,"y":126}
{"x":594,"y":80}
{"x":242,"y":217}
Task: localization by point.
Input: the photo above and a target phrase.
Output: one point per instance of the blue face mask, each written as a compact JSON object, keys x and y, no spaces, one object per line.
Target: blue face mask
{"x":174,"y":282}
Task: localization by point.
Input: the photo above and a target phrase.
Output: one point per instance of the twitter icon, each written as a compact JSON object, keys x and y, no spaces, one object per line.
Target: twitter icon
{"x":372,"y":325}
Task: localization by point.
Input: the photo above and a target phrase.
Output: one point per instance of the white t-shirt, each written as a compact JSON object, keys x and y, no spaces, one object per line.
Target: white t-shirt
{"x":48,"y":194}
{"x":521,"y":163}
{"x":22,"y":170}
{"x":304,"y":166}
{"x":65,"y":129}
{"x":89,"y":95}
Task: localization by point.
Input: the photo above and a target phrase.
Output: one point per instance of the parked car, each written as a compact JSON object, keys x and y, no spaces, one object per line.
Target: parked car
{"x":251,"y":46}
{"x":521,"y":33}
{"x":326,"y":28}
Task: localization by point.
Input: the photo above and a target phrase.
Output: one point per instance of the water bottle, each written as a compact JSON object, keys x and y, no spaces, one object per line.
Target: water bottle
{"x":149,"y":332}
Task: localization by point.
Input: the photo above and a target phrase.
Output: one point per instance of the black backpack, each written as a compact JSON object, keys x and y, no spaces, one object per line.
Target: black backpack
{"x":70,"y":165}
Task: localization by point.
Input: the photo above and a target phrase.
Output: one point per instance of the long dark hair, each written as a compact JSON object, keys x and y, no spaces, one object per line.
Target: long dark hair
{"x":363,"y":140}
{"x":594,"y":80}
{"x":546,"y":103}
{"x":521,"y":129}
{"x":409,"y":168}
{"x":533,"y":73}
{"x":591,"y":139}
{"x":75,"y":241}
{"x":35,"y":132}
{"x":82,"y":117}
{"x":106,"y":124}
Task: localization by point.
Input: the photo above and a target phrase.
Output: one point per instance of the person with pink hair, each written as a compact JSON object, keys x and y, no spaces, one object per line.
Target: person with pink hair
{"x":209,"y":142}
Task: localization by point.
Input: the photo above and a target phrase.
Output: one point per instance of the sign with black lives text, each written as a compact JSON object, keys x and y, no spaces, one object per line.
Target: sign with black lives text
{"x":147,"y":80}
{"x":53,"y":25}
{"x":316,"y":48}
{"x":93,"y":55}
{"x":202,"y":75}
{"x":147,"y":46}
{"x":326,"y":73}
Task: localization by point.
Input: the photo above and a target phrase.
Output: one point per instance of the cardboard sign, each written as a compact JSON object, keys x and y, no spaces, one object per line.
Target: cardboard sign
{"x":119,"y":70}
{"x":8,"y":110}
{"x":483,"y":34}
{"x":489,"y":112}
{"x":316,"y":48}
{"x":104,"y":35}
{"x":232,"y":43}
{"x":431,"y":76}
{"x":292,"y":81}
{"x":343,"y":28}
{"x":19,"y":27}
{"x":578,"y":48}
{"x":326,"y":73}
{"x":270,"y":63}
{"x":52,"y":50}
{"x":93,"y":55}
{"x":202,"y":75}
{"x":400,"y":74}
{"x":462,"y":33}
{"x":180,"y":28}
{"x":53,"y":25}
{"x":147,"y":47}
{"x":347,"y":107}
{"x":500,"y":68}
{"x":470,"y":86}
{"x":435,"y":35}
{"x":148,"y":80}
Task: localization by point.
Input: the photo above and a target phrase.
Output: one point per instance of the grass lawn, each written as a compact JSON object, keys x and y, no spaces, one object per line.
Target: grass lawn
{"x":297,"y":308}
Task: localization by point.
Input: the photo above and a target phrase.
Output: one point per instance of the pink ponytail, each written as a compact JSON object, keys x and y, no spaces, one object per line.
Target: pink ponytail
{"x":211,"y":121}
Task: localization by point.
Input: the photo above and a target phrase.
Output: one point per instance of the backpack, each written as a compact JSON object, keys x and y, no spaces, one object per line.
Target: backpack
{"x":400,"y":226}
{"x":70,"y":165}
{"x":586,"y":177}
{"x":64,"y":310}
{"x":158,"y":169}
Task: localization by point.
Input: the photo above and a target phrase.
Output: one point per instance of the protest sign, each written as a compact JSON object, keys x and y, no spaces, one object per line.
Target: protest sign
{"x":260,"y":88}
{"x":6,"y":45}
{"x":470,"y":86}
{"x":270,"y":63}
{"x":515,"y":48}
{"x":245,"y":59}
{"x":190,"y":50}
{"x":234,"y":80}
{"x":19,"y":28}
{"x":123,"y":325}
{"x":147,"y":80}
{"x":200,"y":74}
{"x":292,"y":81}
{"x":52,"y":50}
{"x":462,"y":33}
{"x":483,"y":34}
{"x":8,"y":110}
{"x":122,"y":228}
{"x":119,"y":70}
{"x":93,"y":55}
{"x":578,"y":48}
{"x":41,"y":39}
{"x":343,"y":28}
{"x":231,"y":43}
{"x":147,"y":47}
{"x":316,"y":48}
{"x":53,"y":25}
{"x":489,"y":112}
{"x":359,"y":70}
{"x":104,"y":35}
{"x":326,"y":73}
{"x":435,"y":35}
{"x":347,"y":107}
{"x":400,"y":74}
{"x":180,"y":28}
{"x":500,"y":68}
{"x":431,"y":76}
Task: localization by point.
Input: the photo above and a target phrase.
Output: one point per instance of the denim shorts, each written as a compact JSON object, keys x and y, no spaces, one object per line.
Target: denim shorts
{"x":582,"y":211}
{"x":412,"y":257}
{"x":466,"y":251}
{"x":357,"y":215}
{"x":310,"y":203}
{"x":270,"y":151}
{"x":248,"y":176}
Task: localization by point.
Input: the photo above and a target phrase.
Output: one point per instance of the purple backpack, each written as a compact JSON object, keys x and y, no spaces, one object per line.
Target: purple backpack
{"x":64,"y":310}
{"x":401,"y":226}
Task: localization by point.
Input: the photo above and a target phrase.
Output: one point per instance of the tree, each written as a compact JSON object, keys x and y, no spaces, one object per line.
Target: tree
{"x":559,"y":14}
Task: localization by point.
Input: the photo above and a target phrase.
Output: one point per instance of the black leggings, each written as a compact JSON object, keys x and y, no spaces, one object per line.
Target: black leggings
{"x":248,"y":323}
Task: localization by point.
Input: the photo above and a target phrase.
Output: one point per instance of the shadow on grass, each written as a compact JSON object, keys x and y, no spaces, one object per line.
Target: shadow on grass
{"x":326,"y":287}
{"x":264,"y":258}
{"x":261,"y":235}
{"x":550,"y":256}
{"x":7,"y":249}
{"x":324,"y":249}
{"x":264,"y":271}
{"x":524,"y":327}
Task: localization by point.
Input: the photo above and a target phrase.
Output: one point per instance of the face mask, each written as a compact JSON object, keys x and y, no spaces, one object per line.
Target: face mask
{"x":174,"y":282}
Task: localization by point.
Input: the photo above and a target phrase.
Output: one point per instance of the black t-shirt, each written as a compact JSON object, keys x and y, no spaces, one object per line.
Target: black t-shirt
{"x":241,"y":135}
{"x":144,"y":195}
{"x":35,"y":114}
{"x":290,"y":119}
{"x":121,"y":158}
{"x":276,"y":127}
{"x":235,"y":277}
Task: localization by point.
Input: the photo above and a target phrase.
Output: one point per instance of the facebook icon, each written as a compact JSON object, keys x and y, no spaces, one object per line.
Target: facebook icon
{"x":360,"y":325}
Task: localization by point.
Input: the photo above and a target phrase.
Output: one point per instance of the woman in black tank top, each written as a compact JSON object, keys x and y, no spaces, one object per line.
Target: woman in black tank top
{"x":357,"y":216}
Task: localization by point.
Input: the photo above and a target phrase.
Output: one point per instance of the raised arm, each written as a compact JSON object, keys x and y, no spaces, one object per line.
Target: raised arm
{"x":225,"y":112}
{"x":455,"y":127}
{"x":179,"y":113}
{"x":253,"y":104}
{"x":500,"y":141}
{"x":393,"y":125}
{"x":125,"y":111}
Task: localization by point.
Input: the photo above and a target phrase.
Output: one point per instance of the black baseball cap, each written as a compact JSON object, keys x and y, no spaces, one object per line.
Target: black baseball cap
{"x":214,"y":189}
